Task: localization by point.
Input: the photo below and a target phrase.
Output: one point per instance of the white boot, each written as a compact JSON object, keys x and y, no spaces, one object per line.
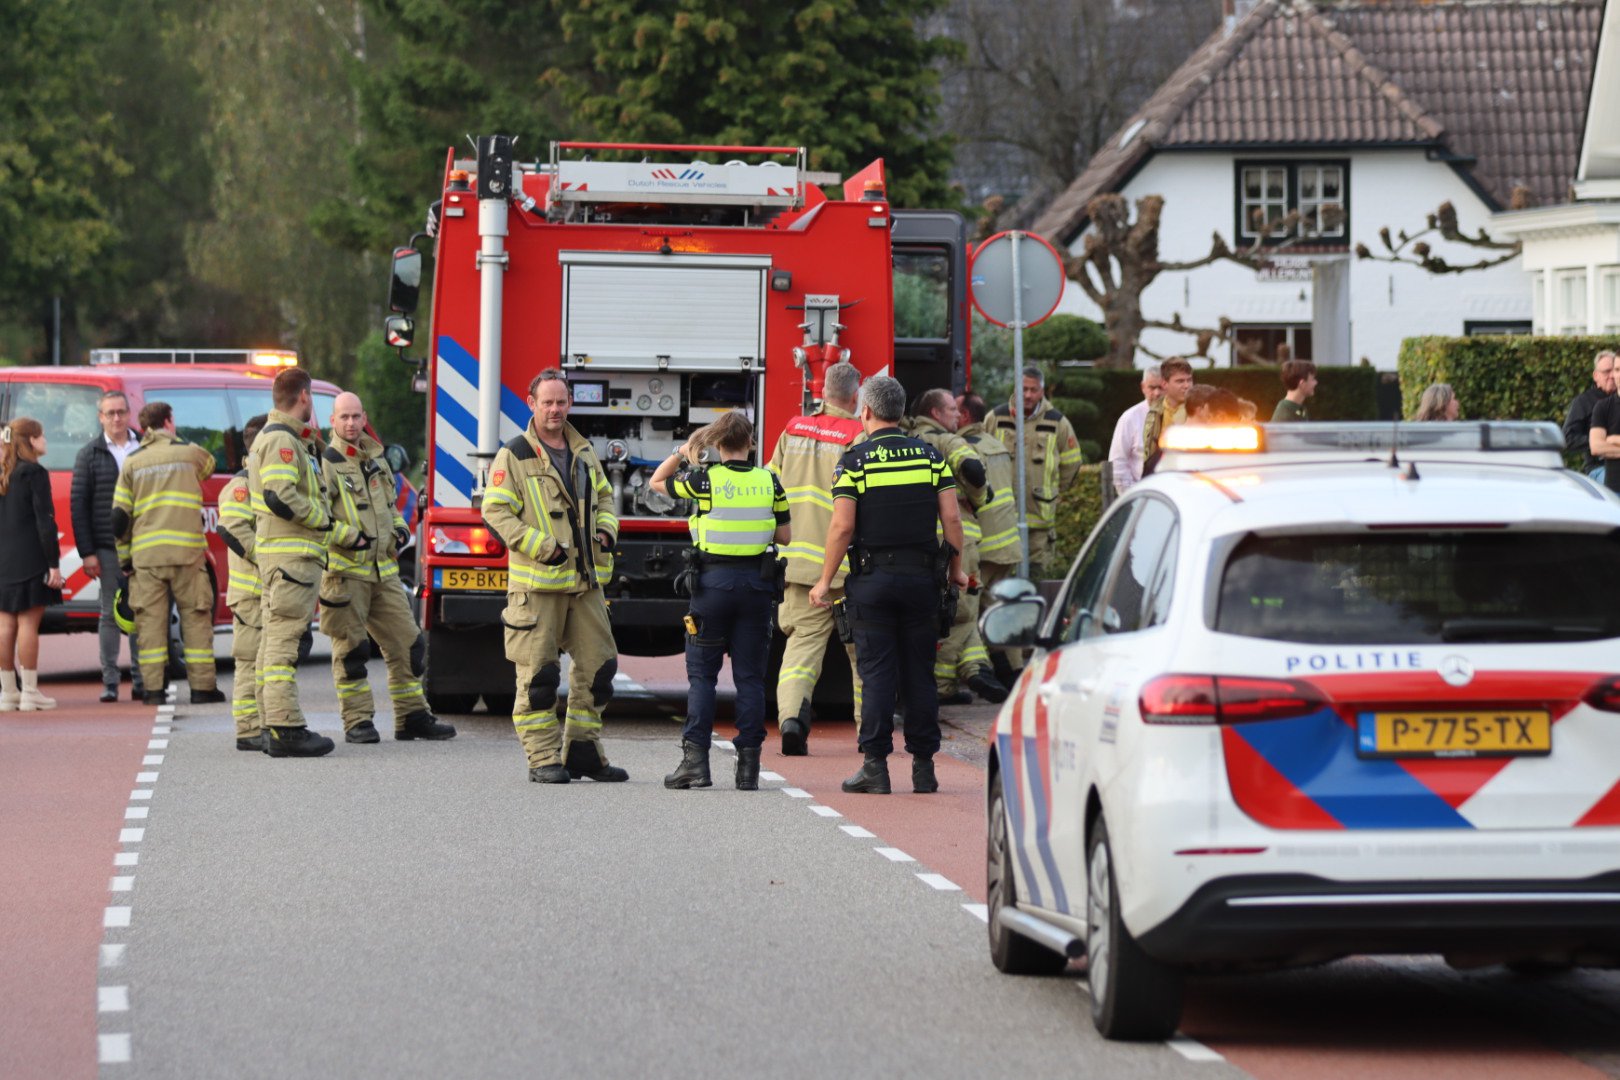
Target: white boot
{"x":9,"y":697}
{"x":32,"y":699}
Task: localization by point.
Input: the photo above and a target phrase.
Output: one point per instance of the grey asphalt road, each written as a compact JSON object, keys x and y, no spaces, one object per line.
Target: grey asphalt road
{"x":412,"y":909}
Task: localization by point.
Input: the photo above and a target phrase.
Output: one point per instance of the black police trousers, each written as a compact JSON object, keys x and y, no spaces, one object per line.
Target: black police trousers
{"x":895,"y":616}
{"x":732,"y":607}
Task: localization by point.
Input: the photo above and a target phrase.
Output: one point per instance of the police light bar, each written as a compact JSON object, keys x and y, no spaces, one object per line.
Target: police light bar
{"x":277,"y":358}
{"x":1217,"y":438}
{"x":1189,"y":447}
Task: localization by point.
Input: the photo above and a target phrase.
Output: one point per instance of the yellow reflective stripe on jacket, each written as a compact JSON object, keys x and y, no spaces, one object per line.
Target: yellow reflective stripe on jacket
{"x":809,"y":494}
{"x":541,"y":577}
{"x":185,"y":500}
{"x":172,"y":537}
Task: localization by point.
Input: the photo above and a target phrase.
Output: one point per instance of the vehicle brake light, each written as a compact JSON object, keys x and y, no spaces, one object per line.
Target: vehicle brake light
{"x":1226,"y":699}
{"x":1605,"y":695}
{"x":465,"y":540}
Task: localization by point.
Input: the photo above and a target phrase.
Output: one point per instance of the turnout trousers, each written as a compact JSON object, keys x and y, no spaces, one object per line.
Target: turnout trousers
{"x":962,"y":652}
{"x":1040,"y":550}
{"x":539,"y":627}
{"x":353,"y":609}
{"x":151,"y":589}
{"x":895,"y":616}
{"x":247,"y":687}
{"x":291,"y":587}
{"x":732,"y":609}
{"x":808,"y":629}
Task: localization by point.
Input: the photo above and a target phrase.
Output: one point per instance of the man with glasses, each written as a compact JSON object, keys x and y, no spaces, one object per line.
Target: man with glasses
{"x":95,"y":475}
{"x":1578,"y":420}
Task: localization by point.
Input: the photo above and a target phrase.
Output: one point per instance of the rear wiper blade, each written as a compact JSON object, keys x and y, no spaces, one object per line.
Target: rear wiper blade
{"x":1481,"y":628}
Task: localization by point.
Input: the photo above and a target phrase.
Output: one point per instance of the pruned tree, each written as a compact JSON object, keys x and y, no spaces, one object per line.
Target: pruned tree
{"x":1415,"y":250}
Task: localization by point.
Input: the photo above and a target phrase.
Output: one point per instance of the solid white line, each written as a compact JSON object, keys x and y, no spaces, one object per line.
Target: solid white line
{"x":795,"y":793}
{"x":894,"y":854}
{"x":978,"y":911}
{"x":146,"y":777}
{"x":112,"y":955}
{"x":112,"y":999}
{"x":140,"y":793}
{"x":157,"y":744}
{"x":123,"y":883}
{"x":131,"y":836}
{"x":126,"y":858}
{"x":112,"y":1049}
{"x":858,"y":832}
{"x":825,"y":811}
{"x":136,"y":813}
{"x":152,"y":759}
{"x":115,"y":917}
{"x":940,"y":882}
{"x":1191,"y":1049}
{"x":773,"y":777}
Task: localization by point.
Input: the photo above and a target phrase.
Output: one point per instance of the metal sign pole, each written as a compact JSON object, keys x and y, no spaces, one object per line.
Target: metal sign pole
{"x":1018,"y":408}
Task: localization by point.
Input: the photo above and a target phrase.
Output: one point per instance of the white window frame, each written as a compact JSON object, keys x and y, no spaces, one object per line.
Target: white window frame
{"x":1310,"y":209}
{"x":1263,"y":203}
{"x":1609,"y":298}
{"x":1538,"y":302}
{"x":1570,"y":308}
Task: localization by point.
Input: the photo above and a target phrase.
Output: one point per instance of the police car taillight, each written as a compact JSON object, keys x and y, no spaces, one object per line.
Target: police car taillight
{"x":1226,"y":699}
{"x":1605,"y":695}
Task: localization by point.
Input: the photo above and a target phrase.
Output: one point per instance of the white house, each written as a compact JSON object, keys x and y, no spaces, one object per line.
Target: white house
{"x":1383,"y":110}
{"x":1572,"y":250}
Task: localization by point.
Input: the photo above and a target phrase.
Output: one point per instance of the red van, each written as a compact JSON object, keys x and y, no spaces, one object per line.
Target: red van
{"x":211,"y":402}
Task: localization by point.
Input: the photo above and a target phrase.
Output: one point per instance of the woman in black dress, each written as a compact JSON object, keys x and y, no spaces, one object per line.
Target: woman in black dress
{"x":29,"y":560}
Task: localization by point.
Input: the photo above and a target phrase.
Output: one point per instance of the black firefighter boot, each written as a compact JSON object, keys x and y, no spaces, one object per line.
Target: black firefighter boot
{"x":796,"y":733}
{"x":693,"y":771}
{"x":983,"y":683}
{"x":923,"y":781}
{"x":585,"y":760}
{"x":422,"y":724}
{"x":747,"y":768}
{"x":873,"y":779}
{"x":283,"y":742}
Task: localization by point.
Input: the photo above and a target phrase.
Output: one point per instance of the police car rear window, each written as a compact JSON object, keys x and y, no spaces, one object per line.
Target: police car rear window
{"x":1423,"y":588}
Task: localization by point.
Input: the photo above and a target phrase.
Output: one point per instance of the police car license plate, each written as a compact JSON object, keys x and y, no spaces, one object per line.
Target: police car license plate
{"x":473,"y":580}
{"x":1475,"y":733}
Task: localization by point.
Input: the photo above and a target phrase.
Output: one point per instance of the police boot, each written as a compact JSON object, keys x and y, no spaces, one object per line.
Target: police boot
{"x":585,"y":760}
{"x":422,"y":724}
{"x":363,"y":732}
{"x":985,"y":685}
{"x":747,"y":768}
{"x":207,"y":697}
{"x":693,"y":771}
{"x":923,"y":781}
{"x":548,"y":774}
{"x":295,"y":742}
{"x":873,"y":779}
{"x":796,"y":733}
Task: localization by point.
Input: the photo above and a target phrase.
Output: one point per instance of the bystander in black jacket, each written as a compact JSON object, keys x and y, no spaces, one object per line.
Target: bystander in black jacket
{"x":95,"y":475}
{"x":28,"y":548}
{"x":1578,"y":424}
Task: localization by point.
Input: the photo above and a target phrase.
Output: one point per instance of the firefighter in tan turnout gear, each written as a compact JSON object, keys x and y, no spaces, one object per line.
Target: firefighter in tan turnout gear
{"x":1051,"y":460}
{"x":999,"y":549}
{"x":961,"y":656}
{"x":157,"y":520}
{"x":294,"y":527}
{"x":243,"y":590}
{"x":549,"y":500}
{"x":361,"y":595}
{"x":807,"y":452}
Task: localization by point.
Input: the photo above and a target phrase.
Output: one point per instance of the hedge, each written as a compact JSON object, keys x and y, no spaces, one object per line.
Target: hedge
{"x":1078,"y":511}
{"x":1519,"y":377}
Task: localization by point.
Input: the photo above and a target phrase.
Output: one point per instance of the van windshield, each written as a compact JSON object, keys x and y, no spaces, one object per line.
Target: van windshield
{"x":68,"y":412}
{"x":249,"y":403}
{"x":1423,"y":588}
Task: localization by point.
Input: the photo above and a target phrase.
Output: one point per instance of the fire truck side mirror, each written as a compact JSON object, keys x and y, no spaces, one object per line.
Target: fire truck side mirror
{"x":406,"y":283}
{"x":400,"y":331}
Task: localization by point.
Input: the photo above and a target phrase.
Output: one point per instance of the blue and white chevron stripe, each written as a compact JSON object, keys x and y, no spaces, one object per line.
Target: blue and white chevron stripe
{"x":455,"y":432}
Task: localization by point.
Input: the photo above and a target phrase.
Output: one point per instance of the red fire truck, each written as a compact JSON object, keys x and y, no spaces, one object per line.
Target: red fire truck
{"x":671,"y":284}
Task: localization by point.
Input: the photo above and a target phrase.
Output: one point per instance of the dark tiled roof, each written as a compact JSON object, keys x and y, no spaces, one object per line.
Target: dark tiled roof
{"x":1504,"y":82}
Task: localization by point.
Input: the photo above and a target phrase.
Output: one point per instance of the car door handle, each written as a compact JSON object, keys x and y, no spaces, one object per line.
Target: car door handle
{"x":1049,"y":691}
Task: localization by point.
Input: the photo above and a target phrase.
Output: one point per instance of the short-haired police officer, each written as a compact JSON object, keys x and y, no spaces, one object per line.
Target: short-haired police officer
{"x":742,"y":512}
{"x":890,"y":492}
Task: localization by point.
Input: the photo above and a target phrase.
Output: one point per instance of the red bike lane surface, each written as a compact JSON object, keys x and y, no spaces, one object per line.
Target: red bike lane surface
{"x":65,"y":779}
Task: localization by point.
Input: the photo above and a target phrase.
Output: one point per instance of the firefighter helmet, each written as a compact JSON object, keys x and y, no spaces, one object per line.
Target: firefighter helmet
{"x":123,"y":615}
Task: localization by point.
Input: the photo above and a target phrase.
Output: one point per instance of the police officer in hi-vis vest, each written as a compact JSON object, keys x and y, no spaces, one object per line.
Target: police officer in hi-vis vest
{"x":361,"y":596}
{"x":891,"y":491}
{"x":741,"y":515}
{"x":549,"y":500}
{"x":243,"y":592}
{"x":806,"y":454}
{"x":157,"y":521}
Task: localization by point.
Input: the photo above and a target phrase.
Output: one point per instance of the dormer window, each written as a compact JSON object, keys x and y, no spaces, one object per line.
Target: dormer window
{"x":1268,"y":191}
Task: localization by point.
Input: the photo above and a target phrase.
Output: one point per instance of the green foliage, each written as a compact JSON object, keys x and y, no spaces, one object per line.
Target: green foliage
{"x":1074,"y":391}
{"x":1501,"y":377}
{"x":1065,"y":337}
{"x":397,"y":412}
{"x":853,"y":80}
{"x":921,"y":306}
{"x":1078,"y":511}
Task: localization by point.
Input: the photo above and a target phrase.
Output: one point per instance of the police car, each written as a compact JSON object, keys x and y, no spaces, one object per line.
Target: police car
{"x":1315,"y":690}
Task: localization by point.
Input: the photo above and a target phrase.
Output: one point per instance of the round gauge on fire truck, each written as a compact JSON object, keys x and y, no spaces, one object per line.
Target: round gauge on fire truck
{"x":643,"y":402}
{"x":655,"y":385}
{"x":666,"y":403}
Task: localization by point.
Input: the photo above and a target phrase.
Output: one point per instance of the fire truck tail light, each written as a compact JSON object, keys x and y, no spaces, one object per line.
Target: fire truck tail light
{"x":465,"y":540}
{"x":1223,"y":699}
{"x":1604,"y":695}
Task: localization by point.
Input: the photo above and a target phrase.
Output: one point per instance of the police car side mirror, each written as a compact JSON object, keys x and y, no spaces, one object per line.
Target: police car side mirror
{"x":1013,"y":588}
{"x":1013,"y":623}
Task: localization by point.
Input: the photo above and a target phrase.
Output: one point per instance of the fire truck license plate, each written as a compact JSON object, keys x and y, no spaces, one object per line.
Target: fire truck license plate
{"x":473,"y":580}
{"x":1481,"y":733}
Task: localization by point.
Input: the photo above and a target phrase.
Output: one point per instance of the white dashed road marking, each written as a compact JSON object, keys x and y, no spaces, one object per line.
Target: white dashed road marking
{"x":123,"y":884}
{"x":859,"y":833}
{"x":112,"y":1049}
{"x":126,"y":858}
{"x":894,"y":854}
{"x":1192,"y":1049}
{"x":775,"y":778}
{"x":940,"y":882}
{"x":115,"y":917}
{"x":978,"y":911}
{"x":825,"y":811}
{"x":131,"y":836}
{"x":796,"y":793}
{"x":112,"y":955}
{"x":140,"y":793}
{"x":136,"y":813}
{"x":112,"y":999}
